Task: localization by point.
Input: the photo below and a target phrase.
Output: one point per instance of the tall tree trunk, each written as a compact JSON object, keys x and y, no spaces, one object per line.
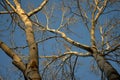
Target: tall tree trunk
{"x":32,"y":70}
{"x":106,"y":67}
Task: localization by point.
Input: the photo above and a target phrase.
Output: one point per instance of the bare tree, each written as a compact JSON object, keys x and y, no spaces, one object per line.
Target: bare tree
{"x":60,"y":23}
{"x":30,"y":71}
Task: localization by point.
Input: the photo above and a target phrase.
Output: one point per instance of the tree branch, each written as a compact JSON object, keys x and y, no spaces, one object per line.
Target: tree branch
{"x":101,"y":10}
{"x":38,"y":9}
{"x":95,"y":17}
{"x":68,"y":53}
{"x":16,"y":59}
{"x":32,"y":70}
{"x":7,"y":12}
{"x":10,"y":5}
{"x":113,"y":49}
{"x":77,"y":44}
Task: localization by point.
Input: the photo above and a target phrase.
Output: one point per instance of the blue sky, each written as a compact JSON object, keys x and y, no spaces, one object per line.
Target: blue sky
{"x":48,"y":47}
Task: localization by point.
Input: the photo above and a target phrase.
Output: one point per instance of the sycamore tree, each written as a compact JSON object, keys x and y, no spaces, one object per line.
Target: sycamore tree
{"x":47,"y":39}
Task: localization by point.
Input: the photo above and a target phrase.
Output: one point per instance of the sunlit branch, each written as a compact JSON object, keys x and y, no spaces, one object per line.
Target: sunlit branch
{"x":113,"y":49}
{"x":107,"y":44}
{"x":101,"y":33}
{"x":77,"y":44}
{"x":7,"y":12}
{"x":32,"y":69}
{"x":95,"y":17}
{"x":11,"y":5}
{"x":102,"y":36}
{"x":38,"y":8}
{"x":16,"y":59}
{"x":79,"y":54}
{"x":100,"y":10}
{"x":64,"y":57}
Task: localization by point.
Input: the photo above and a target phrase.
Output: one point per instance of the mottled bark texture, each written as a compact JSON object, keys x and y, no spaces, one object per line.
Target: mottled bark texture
{"x":106,"y":67}
{"x":31,"y":69}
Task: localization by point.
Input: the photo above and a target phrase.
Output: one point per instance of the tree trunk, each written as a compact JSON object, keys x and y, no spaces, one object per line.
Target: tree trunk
{"x":106,"y":67}
{"x":32,"y":69}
